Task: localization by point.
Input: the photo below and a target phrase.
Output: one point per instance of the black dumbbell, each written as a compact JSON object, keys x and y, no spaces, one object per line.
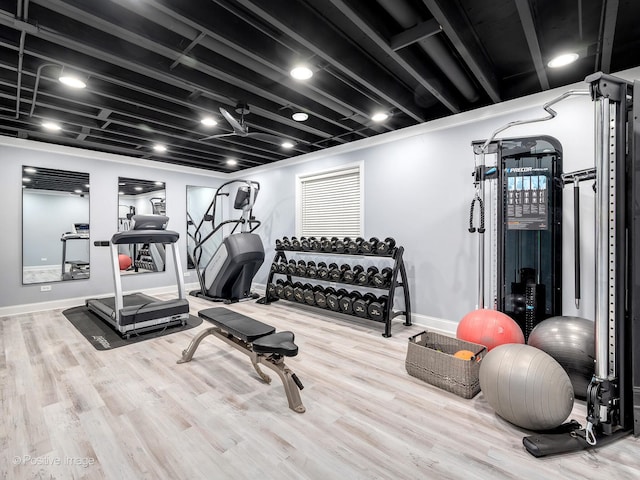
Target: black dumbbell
{"x":295,"y":244}
{"x":316,"y":245}
{"x":353,"y":246}
{"x":271,"y":291}
{"x":334,"y":272}
{"x":286,"y":243}
{"x":333,"y":298}
{"x":288,"y":291}
{"x":386,"y":247}
{"x":361,"y":305}
{"x":378,"y":308}
{"x":364,"y":278}
{"x":280,"y":288}
{"x":320,"y":296}
{"x":309,"y":294}
{"x":305,"y":243}
{"x":274,"y":267}
{"x":298,"y":292}
{"x":349,"y":276}
{"x":346,"y":302}
{"x":279,"y":244}
{"x":369,"y":247}
{"x":326,"y":245}
{"x":337,"y":245}
{"x":282,"y":266}
{"x":301,"y":268}
{"x":323,"y":271}
{"x":312,"y":271}
{"x":292,"y":266}
{"x":383,"y":278}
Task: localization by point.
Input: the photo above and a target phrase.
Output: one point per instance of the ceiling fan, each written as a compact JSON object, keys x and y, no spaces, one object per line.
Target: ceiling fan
{"x":241,"y":129}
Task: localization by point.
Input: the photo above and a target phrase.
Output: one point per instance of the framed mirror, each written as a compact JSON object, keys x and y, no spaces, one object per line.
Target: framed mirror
{"x":198,"y":228}
{"x":55,"y":225}
{"x":140,"y":197}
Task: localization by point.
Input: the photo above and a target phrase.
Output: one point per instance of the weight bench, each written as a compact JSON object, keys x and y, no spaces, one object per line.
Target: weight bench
{"x":257,"y":340}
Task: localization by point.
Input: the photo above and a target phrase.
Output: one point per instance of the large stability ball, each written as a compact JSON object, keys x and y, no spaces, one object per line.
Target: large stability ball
{"x":571,"y":342}
{"x":526,"y":386}
{"x":490,"y":328}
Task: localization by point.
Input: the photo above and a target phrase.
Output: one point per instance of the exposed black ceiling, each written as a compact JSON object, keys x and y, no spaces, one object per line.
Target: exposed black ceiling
{"x":154,"y":68}
{"x":47,"y":179}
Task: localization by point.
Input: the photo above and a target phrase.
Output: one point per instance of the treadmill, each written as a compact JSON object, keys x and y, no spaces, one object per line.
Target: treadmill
{"x":137,"y":312}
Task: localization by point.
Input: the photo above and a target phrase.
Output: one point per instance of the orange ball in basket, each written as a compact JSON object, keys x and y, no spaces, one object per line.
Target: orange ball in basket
{"x":489,"y":328}
{"x":463,"y":354}
{"x":124,"y":261}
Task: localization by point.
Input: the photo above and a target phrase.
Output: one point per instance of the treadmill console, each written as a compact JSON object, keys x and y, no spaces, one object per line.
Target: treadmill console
{"x":149,"y":222}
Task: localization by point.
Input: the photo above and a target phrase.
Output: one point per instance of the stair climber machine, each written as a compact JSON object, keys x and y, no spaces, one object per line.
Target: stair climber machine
{"x":226,"y":275}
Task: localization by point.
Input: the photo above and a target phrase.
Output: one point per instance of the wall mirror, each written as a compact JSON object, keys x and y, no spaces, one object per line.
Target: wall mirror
{"x":140,"y":197}
{"x":55,"y":225}
{"x":199,"y":228}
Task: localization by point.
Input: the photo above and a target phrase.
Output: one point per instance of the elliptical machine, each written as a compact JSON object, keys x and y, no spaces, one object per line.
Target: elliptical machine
{"x":226,"y":275}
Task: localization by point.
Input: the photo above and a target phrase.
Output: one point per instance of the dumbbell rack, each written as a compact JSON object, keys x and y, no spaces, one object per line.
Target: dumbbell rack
{"x":398,"y":280}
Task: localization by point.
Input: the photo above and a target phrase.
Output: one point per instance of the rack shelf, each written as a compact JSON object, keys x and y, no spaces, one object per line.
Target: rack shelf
{"x":397,"y":279}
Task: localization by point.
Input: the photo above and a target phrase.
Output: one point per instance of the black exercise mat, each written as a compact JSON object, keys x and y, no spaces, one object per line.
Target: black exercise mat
{"x":102,"y":335}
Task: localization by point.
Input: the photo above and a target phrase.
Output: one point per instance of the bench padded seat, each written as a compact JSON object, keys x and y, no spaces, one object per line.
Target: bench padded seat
{"x":236,"y":324}
{"x":280,"y":343}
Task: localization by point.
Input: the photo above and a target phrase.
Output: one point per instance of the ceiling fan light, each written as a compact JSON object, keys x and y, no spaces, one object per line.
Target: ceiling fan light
{"x":287,"y":144}
{"x":300,"y":116}
{"x":379,"y":116}
{"x":563,"y":60}
{"x":301,"y":73}
{"x":54,"y":127}
{"x":208,"y":122}
{"x":231,"y":162}
{"x":71,"y":81}
{"x":159,"y":148}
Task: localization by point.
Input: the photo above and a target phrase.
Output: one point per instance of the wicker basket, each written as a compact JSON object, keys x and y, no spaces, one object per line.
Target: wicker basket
{"x":430,"y":357}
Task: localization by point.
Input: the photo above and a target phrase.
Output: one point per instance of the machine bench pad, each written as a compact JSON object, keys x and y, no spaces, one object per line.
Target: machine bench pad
{"x":236,"y":324}
{"x":280,"y":343}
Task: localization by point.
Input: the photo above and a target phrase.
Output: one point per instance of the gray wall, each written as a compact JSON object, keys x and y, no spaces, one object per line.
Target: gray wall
{"x":418,"y":190}
{"x":104,"y":171}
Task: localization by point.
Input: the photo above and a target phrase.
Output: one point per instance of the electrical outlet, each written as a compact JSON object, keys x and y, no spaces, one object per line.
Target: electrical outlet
{"x":187,"y":274}
{"x":43,"y":259}
{"x":45,"y":288}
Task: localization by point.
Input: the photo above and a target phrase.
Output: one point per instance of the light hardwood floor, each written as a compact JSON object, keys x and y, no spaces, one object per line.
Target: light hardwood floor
{"x":70,"y":411}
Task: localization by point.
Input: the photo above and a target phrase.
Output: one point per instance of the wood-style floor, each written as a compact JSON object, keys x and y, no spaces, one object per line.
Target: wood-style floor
{"x":70,"y":411}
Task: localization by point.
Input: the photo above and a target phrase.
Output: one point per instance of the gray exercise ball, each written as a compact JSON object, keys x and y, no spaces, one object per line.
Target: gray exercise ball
{"x":571,"y":342}
{"x":526,"y":386}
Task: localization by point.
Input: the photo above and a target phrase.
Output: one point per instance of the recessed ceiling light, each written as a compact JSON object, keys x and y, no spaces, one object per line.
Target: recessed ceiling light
{"x":563,"y":60}
{"x":159,"y":148}
{"x":379,"y":117}
{"x":301,"y":73}
{"x":232,"y":162}
{"x":120,"y":193}
{"x":86,"y":185}
{"x":54,"y":127}
{"x":70,"y":81}
{"x":300,"y":116}
{"x":158,"y":183}
{"x":26,"y":180}
{"x":137,"y":189}
{"x":287,"y":144}
{"x":208,"y":122}
{"x":78,"y":191}
{"x":30,"y":170}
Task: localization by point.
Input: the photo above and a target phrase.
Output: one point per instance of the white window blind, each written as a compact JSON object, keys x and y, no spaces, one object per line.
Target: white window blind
{"x":331,"y":204}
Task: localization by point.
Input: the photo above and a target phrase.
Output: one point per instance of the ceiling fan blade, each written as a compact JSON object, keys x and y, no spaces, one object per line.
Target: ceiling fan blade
{"x":238,"y":128}
{"x":218,"y":136}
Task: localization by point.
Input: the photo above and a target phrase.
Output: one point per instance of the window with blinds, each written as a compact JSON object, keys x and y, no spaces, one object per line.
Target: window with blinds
{"x":330,"y":204}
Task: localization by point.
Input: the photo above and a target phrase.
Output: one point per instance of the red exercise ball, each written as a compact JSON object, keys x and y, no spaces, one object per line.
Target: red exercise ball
{"x":124,"y":261}
{"x":489,"y":328}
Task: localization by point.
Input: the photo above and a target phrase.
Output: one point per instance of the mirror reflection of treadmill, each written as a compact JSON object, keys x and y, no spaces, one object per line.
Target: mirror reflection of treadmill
{"x":79,"y":268}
